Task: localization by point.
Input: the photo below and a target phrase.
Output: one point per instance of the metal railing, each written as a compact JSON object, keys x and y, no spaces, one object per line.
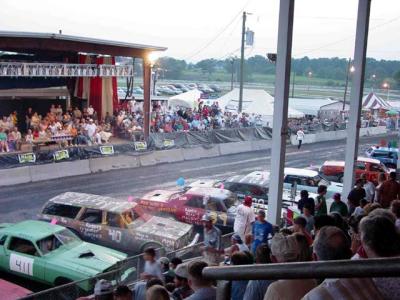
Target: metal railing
{"x":380,"y":267}
{"x":134,"y":264}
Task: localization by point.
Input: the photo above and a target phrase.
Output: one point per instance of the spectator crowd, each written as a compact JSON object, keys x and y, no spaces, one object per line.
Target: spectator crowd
{"x":367,"y":226}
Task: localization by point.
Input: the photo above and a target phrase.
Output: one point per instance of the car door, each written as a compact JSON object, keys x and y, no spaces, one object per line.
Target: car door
{"x":374,"y":170}
{"x":361,"y":168}
{"x":24,"y":258}
{"x":117,"y":235}
{"x":192,"y":211}
{"x":91,"y":225}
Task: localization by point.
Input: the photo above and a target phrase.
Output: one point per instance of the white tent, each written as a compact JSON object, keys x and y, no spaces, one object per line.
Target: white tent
{"x":188,"y":99}
{"x":254,"y":102}
{"x":374,"y":102}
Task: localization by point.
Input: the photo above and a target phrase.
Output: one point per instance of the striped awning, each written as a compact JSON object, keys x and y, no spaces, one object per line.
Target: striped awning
{"x":372,"y":101}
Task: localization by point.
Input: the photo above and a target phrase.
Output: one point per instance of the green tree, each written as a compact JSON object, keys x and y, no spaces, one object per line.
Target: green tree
{"x":207,"y":65}
{"x":172,"y":68}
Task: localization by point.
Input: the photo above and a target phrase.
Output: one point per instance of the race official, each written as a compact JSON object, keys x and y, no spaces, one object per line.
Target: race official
{"x":212,"y":248}
{"x":244,"y":219}
{"x":300,"y":137}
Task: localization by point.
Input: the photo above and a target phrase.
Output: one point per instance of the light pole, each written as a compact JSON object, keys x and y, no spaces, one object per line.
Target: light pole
{"x":373,"y":81}
{"x":309,"y":75}
{"x":387,"y":87}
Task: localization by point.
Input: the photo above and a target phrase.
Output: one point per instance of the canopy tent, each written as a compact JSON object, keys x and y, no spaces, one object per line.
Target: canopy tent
{"x":254,"y":102}
{"x":395,"y":105}
{"x":309,"y":106}
{"x":372,"y":101}
{"x":188,"y":99}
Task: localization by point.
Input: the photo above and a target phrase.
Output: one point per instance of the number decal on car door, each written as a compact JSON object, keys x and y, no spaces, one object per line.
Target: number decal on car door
{"x":115,"y":235}
{"x":21,"y":264}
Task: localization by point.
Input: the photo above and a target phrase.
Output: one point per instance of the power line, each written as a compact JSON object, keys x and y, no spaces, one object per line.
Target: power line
{"x":347,"y":38}
{"x":219,"y":33}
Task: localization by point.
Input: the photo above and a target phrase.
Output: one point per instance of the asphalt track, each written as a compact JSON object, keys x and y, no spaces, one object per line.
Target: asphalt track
{"x":21,"y":202}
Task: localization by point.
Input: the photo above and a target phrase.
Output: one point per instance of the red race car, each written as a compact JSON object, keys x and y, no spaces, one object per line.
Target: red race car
{"x":190,"y":206}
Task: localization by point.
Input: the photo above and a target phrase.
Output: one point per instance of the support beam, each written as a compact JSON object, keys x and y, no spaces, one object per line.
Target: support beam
{"x":356,"y":95}
{"x":279,"y":131}
{"x":146,"y":96}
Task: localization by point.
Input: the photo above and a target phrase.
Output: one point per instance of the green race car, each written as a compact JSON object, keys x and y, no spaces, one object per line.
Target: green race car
{"x":52,"y":254}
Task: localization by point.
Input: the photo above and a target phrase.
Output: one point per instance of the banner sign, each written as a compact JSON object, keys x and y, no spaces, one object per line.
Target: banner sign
{"x":209,"y":96}
{"x":169,"y":143}
{"x":26,"y":158}
{"x":140,"y":146}
{"x":60,"y":155}
{"x":107,"y":150}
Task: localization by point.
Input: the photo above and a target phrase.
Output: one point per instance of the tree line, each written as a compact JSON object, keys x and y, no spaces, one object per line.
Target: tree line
{"x":334,"y":69}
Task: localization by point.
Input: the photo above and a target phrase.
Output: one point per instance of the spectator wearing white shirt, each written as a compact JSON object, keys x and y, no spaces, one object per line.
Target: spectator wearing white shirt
{"x":369,"y":188}
{"x":90,"y":110}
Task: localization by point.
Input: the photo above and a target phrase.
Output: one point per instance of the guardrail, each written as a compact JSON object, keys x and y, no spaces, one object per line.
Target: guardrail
{"x":380,"y":267}
{"x":73,"y":290}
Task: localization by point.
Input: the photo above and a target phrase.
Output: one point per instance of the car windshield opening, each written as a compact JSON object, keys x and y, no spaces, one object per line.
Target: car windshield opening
{"x":49,"y":244}
{"x":66,"y":236}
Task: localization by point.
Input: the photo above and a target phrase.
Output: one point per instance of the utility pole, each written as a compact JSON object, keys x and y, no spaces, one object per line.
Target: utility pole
{"x":346,"y":85}
{"x":242,"y":63}
{"x":232,"y":71}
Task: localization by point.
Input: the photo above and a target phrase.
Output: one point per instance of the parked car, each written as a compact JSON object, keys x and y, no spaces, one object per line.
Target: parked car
{"x":192,"y":86}
{"x":174,"y":89}
{"x":334,"y":170}
{"x":216,"y":88}
{"x":387,"y":156}
{"x":165,"y":90}
{"x":309,"y":180}
{"x":115,"y":224}
{"x":189,"y":206}
{"x":52,"y":254}
{"x":137,"y":91}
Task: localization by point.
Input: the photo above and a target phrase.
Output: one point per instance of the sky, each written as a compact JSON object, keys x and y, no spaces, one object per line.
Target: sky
{"x":194,"y":29}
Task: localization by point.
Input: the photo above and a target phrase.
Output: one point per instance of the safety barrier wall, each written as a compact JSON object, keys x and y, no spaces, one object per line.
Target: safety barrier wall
{"x":336,"y":135}
{"x":93,"y":165}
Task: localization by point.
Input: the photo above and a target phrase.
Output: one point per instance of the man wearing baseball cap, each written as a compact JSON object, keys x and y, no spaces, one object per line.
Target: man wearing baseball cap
{"x":212,"y":241}
{"x":182,"y":289}
{"x":244,"y":218}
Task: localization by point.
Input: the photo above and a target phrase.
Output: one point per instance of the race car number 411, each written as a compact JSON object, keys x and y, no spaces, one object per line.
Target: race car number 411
{"x":21,"y":264}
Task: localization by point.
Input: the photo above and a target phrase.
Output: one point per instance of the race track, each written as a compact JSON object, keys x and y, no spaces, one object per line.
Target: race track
{"x":24,"y":201}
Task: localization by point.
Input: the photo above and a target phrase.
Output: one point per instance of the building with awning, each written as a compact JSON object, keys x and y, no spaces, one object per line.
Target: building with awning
{"x":39,"y":65}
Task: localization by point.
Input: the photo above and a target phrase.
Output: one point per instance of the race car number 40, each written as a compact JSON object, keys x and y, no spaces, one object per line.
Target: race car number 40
{"x":21,"y":264}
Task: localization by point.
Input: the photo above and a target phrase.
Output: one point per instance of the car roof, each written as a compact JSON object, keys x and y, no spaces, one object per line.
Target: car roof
{"x":260,"y":178}
{"x":203,"y":183}
{"x":31,"y":229}
{"x":160,"y":195}
{"x":340,"y":163}
{"x":93,"y":201}
{"x":384,"y":149}
{"x":300,"y":172}
{"x":209,"y":191}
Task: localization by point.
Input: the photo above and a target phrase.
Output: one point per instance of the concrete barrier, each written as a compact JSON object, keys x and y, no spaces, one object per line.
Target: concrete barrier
{"x":168,"y":156}
{"x":58,"y":170}
{"x":113,"y":162}
{"x":236,"y":147}
{"x":199,"y":152}
{"x":336,"y":135}
{"x":147,"y":159}
{"x":14,"y":176}
{"x":261,"y":145}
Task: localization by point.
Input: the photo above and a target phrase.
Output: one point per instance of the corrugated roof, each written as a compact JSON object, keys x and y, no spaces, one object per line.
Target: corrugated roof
{"x":35,"y":41}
